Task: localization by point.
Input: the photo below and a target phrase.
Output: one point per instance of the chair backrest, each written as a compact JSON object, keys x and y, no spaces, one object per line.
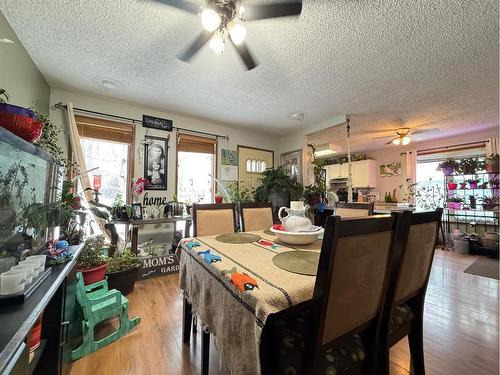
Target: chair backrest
{"x":255,"y":216}
{"x":210,"y":219}
{"x":347,"y":210}
{"x":81,"y":295}
{"x":418,"y":254}
{"x":357,"y":257}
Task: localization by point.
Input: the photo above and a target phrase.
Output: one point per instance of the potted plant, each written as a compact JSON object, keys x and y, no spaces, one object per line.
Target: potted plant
{"x":122,"y":271}
{"x":278,"y":188}
{"x":448,"y":167}
{"x":473,"y":183}
{"x":490,"y":203}
{"x":455,"y":203}
{"x":120,"y":211}
{"x":491,"y":165}
{"x":72,"y":233}
{"x":494,"y":183}
{"x":484,"y":185}
{"x":452,"y":185}
{"x":239,"y":193}
{"x":91,"y":263}
{"x":469,"y":166}
{"x":463,"y":185}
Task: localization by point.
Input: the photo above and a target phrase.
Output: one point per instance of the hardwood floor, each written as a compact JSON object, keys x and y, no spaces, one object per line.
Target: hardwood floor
{"x":460,"y":328}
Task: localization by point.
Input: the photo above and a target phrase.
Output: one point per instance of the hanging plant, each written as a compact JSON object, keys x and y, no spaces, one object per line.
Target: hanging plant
{"x":4,"y":96}
{"x":448,"y":167}
{"x":49,"y":141}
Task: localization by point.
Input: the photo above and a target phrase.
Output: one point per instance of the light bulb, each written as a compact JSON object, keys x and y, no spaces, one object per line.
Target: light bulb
{"x":237,"y":32}
{"x":217,"y":42}
{"x":406,"y":140}
{"x":210,"y":19}
{"x":396,"y":141}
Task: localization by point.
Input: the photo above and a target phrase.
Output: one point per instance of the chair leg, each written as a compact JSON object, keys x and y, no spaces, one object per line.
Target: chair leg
{"x":187,"y":317}
{"x":205,"y":351}
{"x":416,"y":340}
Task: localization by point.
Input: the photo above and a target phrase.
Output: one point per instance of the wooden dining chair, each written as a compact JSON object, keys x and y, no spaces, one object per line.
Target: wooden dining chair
{"x":335,"y":332}
{"x":255,"y":216}
{"x":346,"y":210}
{"x":210,"y":219}
{"x":406,"y":309}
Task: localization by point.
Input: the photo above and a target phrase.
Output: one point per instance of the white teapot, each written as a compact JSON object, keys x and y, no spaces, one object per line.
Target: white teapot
{"x":296,"y":220}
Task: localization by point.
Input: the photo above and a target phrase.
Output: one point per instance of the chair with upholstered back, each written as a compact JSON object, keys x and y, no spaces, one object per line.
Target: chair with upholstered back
{"x":255,"y":216}
{"x":347,"y":210}
{"x":210,"y":219}
{"x":410,"y":284}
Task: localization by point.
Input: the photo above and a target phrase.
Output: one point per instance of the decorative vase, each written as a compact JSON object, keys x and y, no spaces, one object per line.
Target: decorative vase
{"x":473,"y":184}
{"x":20,"y":121}
{"x":452,"y":185}
{"x":93,"y":275}
{"x":454,"y":205}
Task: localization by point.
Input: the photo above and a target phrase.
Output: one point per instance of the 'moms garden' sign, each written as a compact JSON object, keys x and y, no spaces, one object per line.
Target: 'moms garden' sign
{"x":157,"y":266}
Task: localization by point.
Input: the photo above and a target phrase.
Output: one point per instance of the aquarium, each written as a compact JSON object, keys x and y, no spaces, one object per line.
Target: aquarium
{"x":29,"y":191}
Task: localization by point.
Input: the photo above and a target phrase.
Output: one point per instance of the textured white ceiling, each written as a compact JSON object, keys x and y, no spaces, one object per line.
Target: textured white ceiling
{"x":387,"y":61}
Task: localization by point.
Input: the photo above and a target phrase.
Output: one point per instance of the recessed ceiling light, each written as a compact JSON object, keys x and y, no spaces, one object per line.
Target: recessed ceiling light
{"x":109,"y":84}
{"x":299,"y":116}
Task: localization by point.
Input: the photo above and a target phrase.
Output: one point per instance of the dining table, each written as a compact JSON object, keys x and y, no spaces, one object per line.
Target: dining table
{"x":234,"y":282}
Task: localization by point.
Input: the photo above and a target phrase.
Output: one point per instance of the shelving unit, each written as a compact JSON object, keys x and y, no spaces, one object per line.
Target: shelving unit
{"x":467,"y":218}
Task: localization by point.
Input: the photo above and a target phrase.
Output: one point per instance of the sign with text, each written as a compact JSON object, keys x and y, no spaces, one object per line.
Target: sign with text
{"x":157,"y":123}
{"x":158,"y":266}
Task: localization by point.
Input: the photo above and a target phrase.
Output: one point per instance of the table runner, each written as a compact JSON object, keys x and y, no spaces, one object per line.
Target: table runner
{"x":233,"y":288}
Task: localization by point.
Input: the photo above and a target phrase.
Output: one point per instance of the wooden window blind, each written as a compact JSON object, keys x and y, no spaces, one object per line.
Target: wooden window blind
{"x":106,"y":130}
{"x":193,"y":143}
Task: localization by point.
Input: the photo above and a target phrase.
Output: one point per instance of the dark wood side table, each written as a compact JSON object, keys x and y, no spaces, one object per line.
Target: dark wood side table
{"x":134,"y":228}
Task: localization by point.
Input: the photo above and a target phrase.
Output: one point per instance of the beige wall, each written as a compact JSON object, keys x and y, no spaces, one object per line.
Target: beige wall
{"x":19,"y":75}
{"x":393,"y":153}
{"x":107,"y":105}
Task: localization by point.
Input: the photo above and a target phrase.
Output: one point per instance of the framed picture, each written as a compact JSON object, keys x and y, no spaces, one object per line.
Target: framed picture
{"x":292,"y":161}
{"x":137,"y":208}
{"x":155,"y":163}
{"x":390,"y":169}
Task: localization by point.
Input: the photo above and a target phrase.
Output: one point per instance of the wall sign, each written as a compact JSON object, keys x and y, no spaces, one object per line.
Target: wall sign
{"x":159,"y":265}
{"x":155,"y":163}
{"x":156,"y":123}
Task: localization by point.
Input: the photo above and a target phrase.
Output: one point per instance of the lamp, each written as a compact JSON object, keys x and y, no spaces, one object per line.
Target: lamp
{"x":237,"y":32}
{"x":405,"y":140}
{"x":396,"y":141}
{"x":210,"y":19}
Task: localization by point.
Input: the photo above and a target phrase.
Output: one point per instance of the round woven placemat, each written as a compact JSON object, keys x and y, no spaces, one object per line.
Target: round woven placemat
{"x":268,"y":231}
{"x":301,"y":262}
{"x":238,"y":238}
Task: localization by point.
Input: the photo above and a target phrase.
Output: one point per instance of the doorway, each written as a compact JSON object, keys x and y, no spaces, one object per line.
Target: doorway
{"x":252,"y":162}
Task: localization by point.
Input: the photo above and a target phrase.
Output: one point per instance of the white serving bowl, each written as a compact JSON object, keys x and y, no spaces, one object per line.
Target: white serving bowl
{"x":297,"y":238}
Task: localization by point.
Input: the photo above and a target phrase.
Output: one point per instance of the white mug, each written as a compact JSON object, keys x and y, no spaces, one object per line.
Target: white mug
{"x":12,"y":282}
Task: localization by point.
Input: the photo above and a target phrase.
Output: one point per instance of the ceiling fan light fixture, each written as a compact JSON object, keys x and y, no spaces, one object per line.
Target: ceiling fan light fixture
{"x":217,"y":42}
{"x":237,"y":32}
{"x":396,"y":141}
{"x":210,"y":19}
{"x":405,"y":140}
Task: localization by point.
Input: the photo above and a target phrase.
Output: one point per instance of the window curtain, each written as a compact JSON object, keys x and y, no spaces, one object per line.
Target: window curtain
{"x":411,"y":165}
{"x":492,"y":146}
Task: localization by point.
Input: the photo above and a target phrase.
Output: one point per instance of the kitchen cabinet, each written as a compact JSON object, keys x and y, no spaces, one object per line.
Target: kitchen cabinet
{"x":364,"y":173}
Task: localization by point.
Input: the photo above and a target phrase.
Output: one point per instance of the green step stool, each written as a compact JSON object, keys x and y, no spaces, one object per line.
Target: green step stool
{"x":99,"y":304}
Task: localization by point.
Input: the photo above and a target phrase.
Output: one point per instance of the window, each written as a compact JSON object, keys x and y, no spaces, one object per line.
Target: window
{"x":255,"y":166}
{"x":195,"y":168}
{"x":109,"y":146}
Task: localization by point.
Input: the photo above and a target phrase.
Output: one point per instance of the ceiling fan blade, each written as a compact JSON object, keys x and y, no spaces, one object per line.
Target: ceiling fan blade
{"x":423,"y":131}
{"x":181,"y":4}
{"x":245,"y":55}
{"x":383,"y":137}
{"x":193,"y":49}
{"x":259,"y":12}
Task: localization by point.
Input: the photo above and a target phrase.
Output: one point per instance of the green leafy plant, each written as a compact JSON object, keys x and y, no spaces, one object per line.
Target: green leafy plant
{"x":448,"y":164}
{"x":4,"y":96}
{"x":72,"y":233}
{"x":119,"y":207}
{"x":470,"y":165}
{"x":91,"y":255}
{"x":238,"y":193}
{"x":429,"y":195}
{"x":125,"y":261}
{"x":456,"y":199}
{"x":474,"y":181}
{"x":277,"y":180}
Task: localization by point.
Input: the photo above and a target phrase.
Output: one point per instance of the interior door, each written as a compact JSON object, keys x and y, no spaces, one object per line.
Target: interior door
{"x":252,"y":162}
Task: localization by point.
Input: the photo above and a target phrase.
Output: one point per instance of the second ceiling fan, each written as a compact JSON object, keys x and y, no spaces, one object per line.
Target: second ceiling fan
{"x":222,"y":21}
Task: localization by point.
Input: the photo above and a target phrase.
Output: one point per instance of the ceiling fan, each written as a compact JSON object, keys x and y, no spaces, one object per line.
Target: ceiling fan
{"x":403,"y":135}
{"x":222,"y":21}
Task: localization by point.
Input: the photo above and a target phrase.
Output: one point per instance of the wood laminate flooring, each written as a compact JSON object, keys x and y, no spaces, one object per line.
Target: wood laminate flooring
{"x":460,"y":329}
